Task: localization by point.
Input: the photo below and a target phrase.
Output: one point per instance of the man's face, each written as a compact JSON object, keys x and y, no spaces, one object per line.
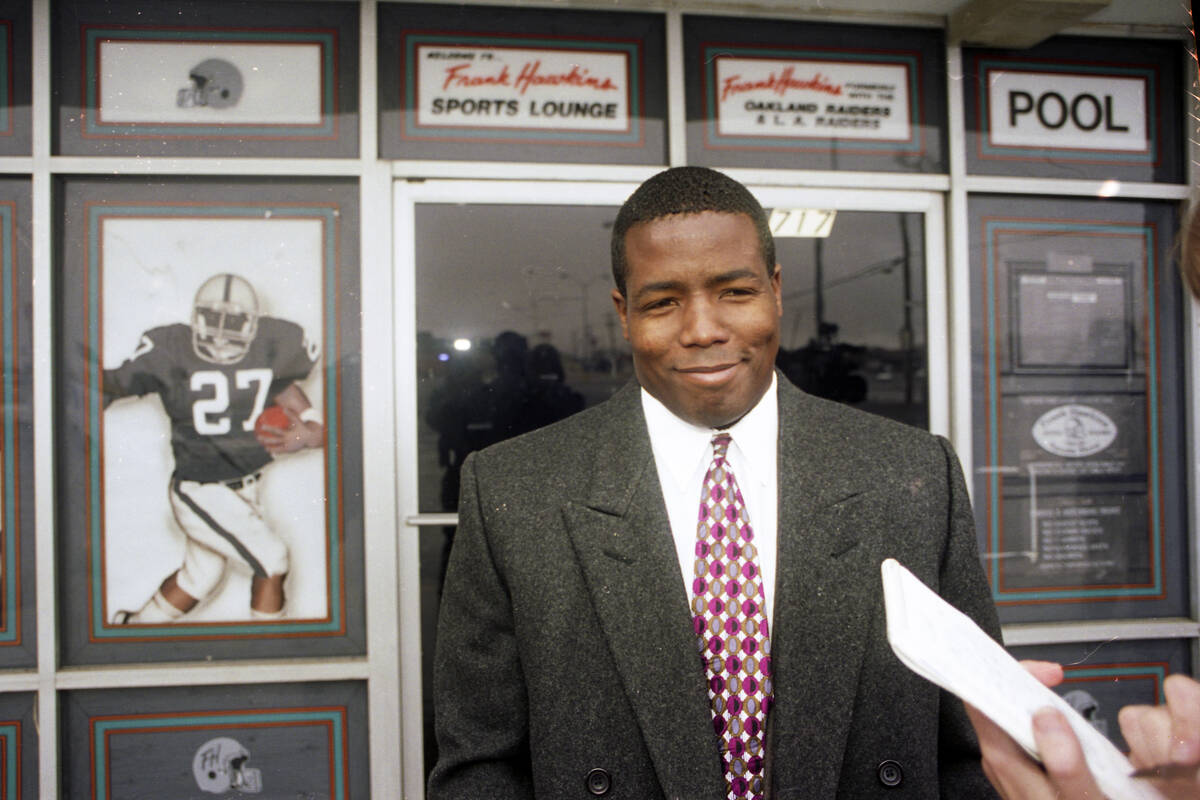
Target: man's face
{"x":701,"y":314}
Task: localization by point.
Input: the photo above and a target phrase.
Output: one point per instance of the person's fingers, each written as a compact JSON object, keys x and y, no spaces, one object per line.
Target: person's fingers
{"x":1183,"y":703}
{"x":1129,"y":718}
{"x":1048,"y":672}
{"x":1147,"y":731}
{"x":1063,"y":757}
{"x":1178,"y":788}
{"x":1011,"y":771}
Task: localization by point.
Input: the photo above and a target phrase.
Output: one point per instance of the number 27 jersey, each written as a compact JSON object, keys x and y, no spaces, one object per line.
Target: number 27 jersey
{"x":212,"y":407}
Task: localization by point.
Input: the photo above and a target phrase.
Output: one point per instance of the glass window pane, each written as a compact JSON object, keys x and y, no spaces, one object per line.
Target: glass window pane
{"x":854,"y":313}
{"x":809,"y":95}
{"x":546,"y":86}
{"x":1100,"y":678}
{"x":516,"y":329}
{"x":1080,"y":479}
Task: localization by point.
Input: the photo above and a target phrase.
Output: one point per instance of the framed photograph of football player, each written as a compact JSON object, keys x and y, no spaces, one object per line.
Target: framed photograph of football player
{"x":206,"y":78}
{"x":18,"y":616}
{"x":211,"y":478}
{"x":268,"y":740}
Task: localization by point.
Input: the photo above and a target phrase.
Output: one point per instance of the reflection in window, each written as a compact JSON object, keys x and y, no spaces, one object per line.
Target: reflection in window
{"x":854,"y":313}
{"x":486,"y":397}
{"x":516,"y":328}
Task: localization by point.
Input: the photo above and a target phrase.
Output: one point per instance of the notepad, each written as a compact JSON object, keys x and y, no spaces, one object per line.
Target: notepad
{"x":943,"y":645}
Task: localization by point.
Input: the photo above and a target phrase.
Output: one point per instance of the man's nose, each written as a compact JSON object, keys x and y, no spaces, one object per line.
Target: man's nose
{"x":703,"y":325}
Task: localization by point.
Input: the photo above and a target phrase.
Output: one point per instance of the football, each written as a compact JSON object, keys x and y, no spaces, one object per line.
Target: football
{"x":274,"y":416}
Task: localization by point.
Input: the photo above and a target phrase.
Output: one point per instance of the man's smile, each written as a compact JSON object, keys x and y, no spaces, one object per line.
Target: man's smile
{"x":710,"y":367}
{"x":710,"y":374}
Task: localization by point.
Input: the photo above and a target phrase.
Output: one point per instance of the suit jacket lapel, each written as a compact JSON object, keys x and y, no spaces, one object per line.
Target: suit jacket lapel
{"x":822,"y":605}
{"x":622,"y":538}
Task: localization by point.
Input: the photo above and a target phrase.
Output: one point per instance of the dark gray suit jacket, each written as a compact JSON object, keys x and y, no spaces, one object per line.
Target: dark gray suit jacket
{"x":565,"y":646}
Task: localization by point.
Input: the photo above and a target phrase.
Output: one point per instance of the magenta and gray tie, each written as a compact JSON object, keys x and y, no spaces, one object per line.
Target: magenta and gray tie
{"x":731,"y":625}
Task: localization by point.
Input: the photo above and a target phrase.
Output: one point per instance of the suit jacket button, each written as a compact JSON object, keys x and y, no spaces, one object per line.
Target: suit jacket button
{"x":598,"y":782}
{"x":890,"y":774}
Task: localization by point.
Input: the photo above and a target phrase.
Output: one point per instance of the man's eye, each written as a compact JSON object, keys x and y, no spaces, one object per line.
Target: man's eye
{"x":655,"y":305}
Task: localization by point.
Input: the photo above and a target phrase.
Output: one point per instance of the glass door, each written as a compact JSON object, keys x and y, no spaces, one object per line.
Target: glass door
{"x":506,"y":323}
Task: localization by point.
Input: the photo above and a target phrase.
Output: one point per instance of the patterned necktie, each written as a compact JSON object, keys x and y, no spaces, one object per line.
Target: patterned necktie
{"x":731,"y":626}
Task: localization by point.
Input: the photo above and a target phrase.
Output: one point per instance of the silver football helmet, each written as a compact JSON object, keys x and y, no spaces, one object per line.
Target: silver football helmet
{"x":216,"y":83}
{"x":224,"y":319}
{"x":220,"y":765}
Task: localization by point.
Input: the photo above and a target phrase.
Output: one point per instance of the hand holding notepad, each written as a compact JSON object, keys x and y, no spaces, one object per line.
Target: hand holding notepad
{"x":943,"y":645}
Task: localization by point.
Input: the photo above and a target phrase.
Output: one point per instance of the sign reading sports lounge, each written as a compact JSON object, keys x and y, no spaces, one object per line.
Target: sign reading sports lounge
{"x":812,"y":99}
{"x":509,"y":87}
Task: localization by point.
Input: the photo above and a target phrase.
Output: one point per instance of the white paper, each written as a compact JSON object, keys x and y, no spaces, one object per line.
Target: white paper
{"x":942,"y":644}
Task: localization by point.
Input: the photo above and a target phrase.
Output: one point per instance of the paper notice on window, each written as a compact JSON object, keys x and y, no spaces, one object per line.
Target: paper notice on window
{"x":940,"y":643}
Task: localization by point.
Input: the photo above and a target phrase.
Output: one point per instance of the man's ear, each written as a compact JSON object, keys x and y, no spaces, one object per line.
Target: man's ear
{"x":621,"y":305}
{"x":777,"y":289}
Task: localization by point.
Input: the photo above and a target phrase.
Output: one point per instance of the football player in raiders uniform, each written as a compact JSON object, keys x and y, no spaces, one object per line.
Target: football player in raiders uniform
{"x":214,"y":378}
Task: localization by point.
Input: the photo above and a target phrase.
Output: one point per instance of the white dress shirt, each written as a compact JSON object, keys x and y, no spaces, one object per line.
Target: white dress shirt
{"x":683,"y":453}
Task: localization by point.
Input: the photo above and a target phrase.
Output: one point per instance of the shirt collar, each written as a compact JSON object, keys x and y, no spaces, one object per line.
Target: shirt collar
{"x":680,"y":446}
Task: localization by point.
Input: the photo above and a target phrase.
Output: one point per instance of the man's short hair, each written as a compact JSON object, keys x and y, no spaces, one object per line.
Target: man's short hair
{"x":687,"y":190}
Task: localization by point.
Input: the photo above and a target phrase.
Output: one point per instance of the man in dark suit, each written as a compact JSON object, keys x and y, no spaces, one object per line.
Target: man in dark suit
{"x":595,"y":640}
